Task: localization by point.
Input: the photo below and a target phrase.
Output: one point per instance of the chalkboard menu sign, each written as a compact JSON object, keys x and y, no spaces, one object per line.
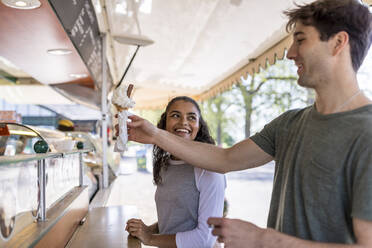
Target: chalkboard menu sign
{"x":80,"y":22}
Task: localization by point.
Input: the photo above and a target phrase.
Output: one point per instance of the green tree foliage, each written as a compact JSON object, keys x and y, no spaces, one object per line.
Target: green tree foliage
{"x":151,"y":115}
{"x":365,"y":73}
{"x":214,"y":110}
{"x":256,"y":100}
{"x":270,"y":92}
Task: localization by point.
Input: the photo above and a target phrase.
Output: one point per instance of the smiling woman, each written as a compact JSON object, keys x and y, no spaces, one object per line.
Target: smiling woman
{"x":183,"y":119}
{"x":185,"y":196}
{"x":173,"y":121}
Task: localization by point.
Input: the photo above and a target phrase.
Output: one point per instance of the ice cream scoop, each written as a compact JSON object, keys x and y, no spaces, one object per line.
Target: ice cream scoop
{"x":121,"y":97}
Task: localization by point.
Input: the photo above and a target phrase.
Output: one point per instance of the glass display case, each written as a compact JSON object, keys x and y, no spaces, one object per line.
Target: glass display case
{"x":93,"y":159}
{"x":31,"y":183}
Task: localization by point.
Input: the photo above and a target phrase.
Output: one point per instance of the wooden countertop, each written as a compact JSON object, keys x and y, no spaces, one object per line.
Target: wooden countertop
{"x":105,"y":227}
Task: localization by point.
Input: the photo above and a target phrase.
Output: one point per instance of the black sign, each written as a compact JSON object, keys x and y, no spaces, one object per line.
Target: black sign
{"x":80,"y":22}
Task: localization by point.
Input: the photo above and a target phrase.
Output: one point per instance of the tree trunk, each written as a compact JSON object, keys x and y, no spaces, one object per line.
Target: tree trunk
{"x":248,"y":116}
{"x":248,"y":100}
{"x":219,"y":133}
{"x":218,"y":104}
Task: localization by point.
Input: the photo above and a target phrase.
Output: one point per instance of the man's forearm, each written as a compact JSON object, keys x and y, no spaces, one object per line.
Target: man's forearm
{"x":275,"y":239}
{"x":196,"y":153}
{"x":243,"y":155}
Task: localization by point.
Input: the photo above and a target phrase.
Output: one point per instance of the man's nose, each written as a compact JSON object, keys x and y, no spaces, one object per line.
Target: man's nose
{"x":291,"y":54}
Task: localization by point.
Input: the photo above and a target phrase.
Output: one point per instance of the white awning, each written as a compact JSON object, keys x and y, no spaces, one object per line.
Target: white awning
{"x":200,"y":47}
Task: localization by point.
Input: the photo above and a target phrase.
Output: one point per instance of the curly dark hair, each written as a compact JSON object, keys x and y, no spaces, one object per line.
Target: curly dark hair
{"x":161,"y":157}
{"x":329,"y":17}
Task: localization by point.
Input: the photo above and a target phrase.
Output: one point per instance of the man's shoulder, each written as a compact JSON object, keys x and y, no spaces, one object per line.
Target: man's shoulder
{"x":362,"y":116}
{"x":294,"y":114}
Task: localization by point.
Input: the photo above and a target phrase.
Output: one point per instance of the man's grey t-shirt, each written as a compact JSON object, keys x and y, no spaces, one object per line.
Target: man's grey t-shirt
{"x":323,"y":172}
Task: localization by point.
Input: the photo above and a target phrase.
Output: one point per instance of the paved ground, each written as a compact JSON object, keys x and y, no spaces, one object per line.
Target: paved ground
{"x":248,"y":193}
{"x":136,"y":189}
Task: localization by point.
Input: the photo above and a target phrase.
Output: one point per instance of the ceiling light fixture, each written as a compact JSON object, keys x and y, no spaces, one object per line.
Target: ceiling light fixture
{"x":22,"y":4}
{"x":131,"y":39}
{"x":59,"y":51}
{"x":78,"y":75}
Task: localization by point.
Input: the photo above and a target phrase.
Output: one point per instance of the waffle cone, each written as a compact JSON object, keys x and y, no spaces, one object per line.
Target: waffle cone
{"x":120,"y":108}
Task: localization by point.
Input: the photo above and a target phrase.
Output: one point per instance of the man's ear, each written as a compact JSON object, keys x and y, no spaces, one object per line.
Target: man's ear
{"x":339,"y":42}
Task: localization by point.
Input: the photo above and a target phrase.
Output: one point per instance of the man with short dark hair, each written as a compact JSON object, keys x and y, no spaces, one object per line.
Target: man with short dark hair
{"x":322,"y":193}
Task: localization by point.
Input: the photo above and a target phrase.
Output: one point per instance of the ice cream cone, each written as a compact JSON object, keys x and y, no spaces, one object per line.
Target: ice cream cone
{"x":122,"y":102}
{"x":119,"y":108}
{"x":129,"y":90}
